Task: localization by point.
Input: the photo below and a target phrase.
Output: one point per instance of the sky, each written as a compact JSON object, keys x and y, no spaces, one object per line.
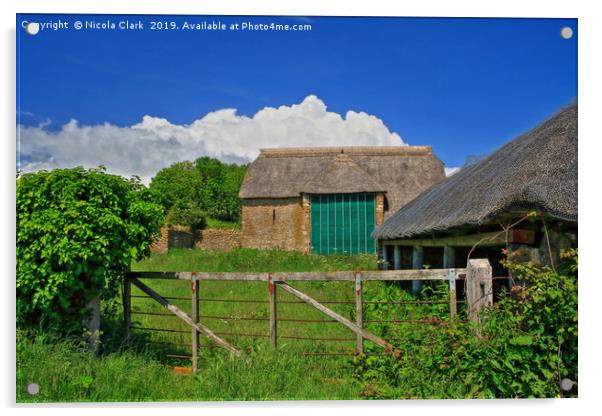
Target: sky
{"x":138,"y":99}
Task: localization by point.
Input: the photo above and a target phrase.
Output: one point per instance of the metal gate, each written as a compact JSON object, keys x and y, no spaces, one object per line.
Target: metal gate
{"x":342,"y":223}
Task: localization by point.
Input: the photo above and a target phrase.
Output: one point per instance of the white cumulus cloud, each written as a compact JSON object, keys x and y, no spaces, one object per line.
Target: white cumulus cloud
{"x":144,"y":148}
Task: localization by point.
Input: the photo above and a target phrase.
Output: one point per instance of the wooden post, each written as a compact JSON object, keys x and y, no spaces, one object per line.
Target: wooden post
{"x":127,"y":306}
{"x":449,"y":257}
{"x":479,"y":286}
{"x":194,"y":284}
{"x":449,"y":262}
{"x":417,"y":261}
{"x":92,"y":324}
{"x":453,"y":305}
{"x":359,"y":312}
{"x":396,"y":257}
{"x":273,"y":316}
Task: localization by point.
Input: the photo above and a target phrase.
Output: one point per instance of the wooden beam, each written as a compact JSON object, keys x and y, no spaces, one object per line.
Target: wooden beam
{"x":385,"y":257}
{"x":368,"y":335}
{"x":184,"y":317}
{"x":373,"y":275}
{"x":273,"y":311}
{"x":449,"y":257}
{"x":195,"y":289}
{"x":417,"y":263}
{"x":359,"y":313}
{"x":453,"y":304}
{"x":495,"y":238}
{"x":396,"y":257}
{"x":263,"y":277}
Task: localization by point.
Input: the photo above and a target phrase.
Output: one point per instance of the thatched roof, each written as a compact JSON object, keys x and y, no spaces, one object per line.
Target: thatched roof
{"x":535,"y":171}
{"x":400,"y":171}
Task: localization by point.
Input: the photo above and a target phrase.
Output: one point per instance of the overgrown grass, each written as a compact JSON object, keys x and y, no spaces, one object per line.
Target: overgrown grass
{"x":141,"y":370}
{"x":67,"y":372}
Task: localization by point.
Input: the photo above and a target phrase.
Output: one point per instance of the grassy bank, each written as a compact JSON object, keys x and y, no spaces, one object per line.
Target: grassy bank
{"x":251,"y":260}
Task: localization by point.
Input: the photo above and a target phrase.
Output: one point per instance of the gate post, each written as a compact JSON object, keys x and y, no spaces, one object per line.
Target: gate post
{"x":195,"y":318}
{"x":273,"y":317}
{"x":127,"y":306}
{"x":359,"y":312}
{"x":453,"y":305}
{"x":479,"y":286}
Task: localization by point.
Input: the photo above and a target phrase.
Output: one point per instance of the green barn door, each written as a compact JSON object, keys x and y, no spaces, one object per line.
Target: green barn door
{"x":342,"y":223}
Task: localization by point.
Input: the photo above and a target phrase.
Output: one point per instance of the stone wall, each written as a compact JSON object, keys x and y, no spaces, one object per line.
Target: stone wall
{"x":218,"y":239}
{"x":380,"y":208}
{"x":176,"y":236}
{"x":275,"y":223}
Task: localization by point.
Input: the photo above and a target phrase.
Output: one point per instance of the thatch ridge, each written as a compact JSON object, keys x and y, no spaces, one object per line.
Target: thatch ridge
{"x":535,"y":171}
{"x":349,"y":150}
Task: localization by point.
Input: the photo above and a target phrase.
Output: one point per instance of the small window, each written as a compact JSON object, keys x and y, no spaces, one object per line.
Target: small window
{"x":273,"y":216}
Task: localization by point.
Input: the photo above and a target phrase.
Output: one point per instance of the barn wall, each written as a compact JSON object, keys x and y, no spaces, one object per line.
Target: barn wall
{"x":380,"y":208}
{"x":275,"y":223}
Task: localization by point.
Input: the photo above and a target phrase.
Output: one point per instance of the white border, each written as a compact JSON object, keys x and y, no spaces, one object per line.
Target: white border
{"x":590,"y":71}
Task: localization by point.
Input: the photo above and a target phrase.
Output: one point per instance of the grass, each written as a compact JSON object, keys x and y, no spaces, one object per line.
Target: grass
{"x":252,"y":260}
{"x":66,"y":372}
{"x":224,"y":225}
{"x":141,"y":370}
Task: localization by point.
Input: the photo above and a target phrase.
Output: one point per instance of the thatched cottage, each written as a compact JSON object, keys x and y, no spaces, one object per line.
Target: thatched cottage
{"x":330,"y":199}
{"x":536,"y":172}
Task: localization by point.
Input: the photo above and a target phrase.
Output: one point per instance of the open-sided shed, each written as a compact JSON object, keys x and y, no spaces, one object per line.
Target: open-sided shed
{"x":534,"y":173}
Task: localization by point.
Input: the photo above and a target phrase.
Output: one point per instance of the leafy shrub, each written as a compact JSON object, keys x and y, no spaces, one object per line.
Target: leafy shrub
{"x":77,"y":233}
{"x":187,"y":214}
{"x":526,"y":344}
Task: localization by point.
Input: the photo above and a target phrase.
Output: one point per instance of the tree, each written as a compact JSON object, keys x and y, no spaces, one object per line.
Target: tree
{"x":206,"y":187}
{"x":221,"y":183}
{"x":178,"y":183}
{"x":77,"y":233}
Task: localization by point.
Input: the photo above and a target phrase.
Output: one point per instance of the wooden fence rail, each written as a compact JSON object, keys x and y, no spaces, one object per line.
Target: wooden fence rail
{"x":381,"y":275}
{"x":478,"y":283}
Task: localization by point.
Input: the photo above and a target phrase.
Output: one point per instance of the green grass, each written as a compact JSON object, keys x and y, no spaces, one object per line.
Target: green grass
{"x":66,"y":373}
{"x":251,"y":260}
{"x":141,"y":370}
{"x":224,"y":225}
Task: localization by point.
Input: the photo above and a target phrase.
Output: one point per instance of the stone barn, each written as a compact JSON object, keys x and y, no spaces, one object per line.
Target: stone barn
{"x":330,"y":199}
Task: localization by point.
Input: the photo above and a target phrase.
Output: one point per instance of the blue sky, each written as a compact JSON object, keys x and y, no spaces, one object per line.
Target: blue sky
{"x":464,"y":86}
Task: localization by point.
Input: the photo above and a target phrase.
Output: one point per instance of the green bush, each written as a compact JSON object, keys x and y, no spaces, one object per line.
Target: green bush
{"x":186,"y":214}
{"x":177,"y":184}
{"x":526,"y":345}
{"x":77,"y":233}
{"x":218,"y":195}
{"x":206,"y":183}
